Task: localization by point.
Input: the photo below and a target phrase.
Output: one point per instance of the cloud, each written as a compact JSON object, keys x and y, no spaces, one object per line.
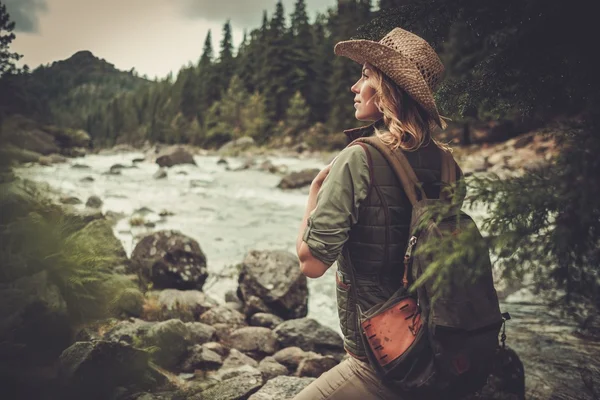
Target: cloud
{"x":248,"y":13}
{"x":25,"y":13}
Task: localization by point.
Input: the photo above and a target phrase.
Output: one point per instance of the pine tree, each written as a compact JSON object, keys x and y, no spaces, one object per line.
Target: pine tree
{"x":188,"y":97}
{"x":318,"y":95}
{"x":7,"y":58}
{"x":345,"y":71}
{"x":302,"y":52}
{"x":297,"y":114}
{"x":254,"y":116}
{"x":208,"y":87}
{"x":225,"y":65}
{"x":225,"y":117}
{"x":278,"y":66}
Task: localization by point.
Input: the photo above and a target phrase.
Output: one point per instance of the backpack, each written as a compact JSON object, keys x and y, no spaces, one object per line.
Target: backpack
{"x":430,"y":342}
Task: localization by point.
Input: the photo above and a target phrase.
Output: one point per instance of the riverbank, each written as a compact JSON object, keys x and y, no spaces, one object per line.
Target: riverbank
{"x":229,"y":211}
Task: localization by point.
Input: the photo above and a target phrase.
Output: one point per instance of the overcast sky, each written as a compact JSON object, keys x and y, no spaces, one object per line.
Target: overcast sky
{"x":154,"y":36}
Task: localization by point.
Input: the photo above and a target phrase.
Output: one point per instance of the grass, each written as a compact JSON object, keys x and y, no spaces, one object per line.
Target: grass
{"x":36,"y":235}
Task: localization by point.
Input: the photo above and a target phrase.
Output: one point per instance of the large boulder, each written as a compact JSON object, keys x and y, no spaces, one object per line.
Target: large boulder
{"x":298,"y":179}
{"x":170,"y":259}
{"x":93,"y":370}
{"x":309,"y":335}
{"x":275,"y":279}
{"x":281,"y":388}
{"x":174,"y":156}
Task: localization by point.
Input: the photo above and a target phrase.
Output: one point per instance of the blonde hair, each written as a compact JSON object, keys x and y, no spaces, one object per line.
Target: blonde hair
{"x":408,"y":124}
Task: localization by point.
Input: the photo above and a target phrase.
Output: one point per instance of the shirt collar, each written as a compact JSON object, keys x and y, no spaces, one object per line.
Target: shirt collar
{"x":367,"y":130}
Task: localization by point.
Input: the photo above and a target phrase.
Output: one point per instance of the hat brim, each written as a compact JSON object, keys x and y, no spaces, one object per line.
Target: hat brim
{"x":400,"y":69}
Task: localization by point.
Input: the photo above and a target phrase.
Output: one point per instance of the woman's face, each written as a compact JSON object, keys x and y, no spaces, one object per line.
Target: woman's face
{"x":364,"y":99}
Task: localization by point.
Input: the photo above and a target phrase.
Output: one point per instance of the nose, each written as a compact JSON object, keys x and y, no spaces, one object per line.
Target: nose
{"x":355,"y":88}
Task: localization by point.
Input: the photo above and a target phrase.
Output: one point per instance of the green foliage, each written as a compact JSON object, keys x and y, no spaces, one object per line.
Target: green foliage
{"x":237,"y":114}
{"x":36,"y":236}
{"x":297,"y":114}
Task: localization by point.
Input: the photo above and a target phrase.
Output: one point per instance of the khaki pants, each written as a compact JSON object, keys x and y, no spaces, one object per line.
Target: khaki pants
{"x":352,"y":379}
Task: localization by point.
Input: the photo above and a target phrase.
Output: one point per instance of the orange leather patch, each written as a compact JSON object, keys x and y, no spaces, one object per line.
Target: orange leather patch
{"x":393,"y":331}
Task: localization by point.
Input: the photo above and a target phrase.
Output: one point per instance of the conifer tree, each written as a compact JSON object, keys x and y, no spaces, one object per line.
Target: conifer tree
{"x":321,"y":63}
{"x":302,"y":51}
{"x":278,"y":66}
{"x":225,"y":65}
{"x":345,"y":72}
{"x":208,"y":88}
{"x":297,"y":114}
{"x":7,"y":58}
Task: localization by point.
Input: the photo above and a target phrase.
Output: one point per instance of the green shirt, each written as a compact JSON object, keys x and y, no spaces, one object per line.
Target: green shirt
{"x":338,"y":202}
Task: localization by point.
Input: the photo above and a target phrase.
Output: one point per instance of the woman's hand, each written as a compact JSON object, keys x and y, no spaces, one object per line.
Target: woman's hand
{"x":318,"y":181}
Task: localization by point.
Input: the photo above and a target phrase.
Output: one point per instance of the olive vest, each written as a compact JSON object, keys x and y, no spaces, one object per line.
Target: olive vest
{"x":377,"y":242}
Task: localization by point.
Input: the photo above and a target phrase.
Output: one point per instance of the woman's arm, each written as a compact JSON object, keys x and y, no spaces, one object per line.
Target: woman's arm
{"x":309,"y":265}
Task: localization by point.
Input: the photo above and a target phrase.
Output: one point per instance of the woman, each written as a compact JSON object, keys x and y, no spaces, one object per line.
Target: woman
{"x":357,"y":211}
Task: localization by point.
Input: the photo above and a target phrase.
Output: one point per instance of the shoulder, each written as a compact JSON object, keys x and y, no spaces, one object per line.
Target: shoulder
{"x":355,"y":152}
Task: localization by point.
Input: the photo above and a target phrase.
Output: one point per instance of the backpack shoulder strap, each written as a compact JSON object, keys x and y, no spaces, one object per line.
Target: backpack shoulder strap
{"x":400,"y":165}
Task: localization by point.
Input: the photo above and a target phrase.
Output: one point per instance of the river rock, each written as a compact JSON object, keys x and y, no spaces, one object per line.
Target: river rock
{"x":170,"y":259}
{"x":236,"y":146}
{"x":129,"y":302}
{"x":217,"y":348}
{"x":274,"y":277}
{"x":298,"y":179}
{"x":161,"y":173}
{"x":223,"y":315}
{"x":128,"y":331}
{"x":309,"y":335}
{"x":254,"y":340}
{"x":70,"y":200}
{"x":201,"y":333}
{"x":270,"y":368}
{"x":94,"y":202}
{"x":281,"y":388}
{"x":266,"y":320}
{"x":80,"y":166}
{"x":290,"y":357}
{"x":172,"y":338}
{"x":201,"y":358}
{"x":238,"y":359}
{"x":186,"y":305}
{"x":236,"y":388}
{"x":174,"y":156}
{"x":93,"y":370}
{"x":228,"y":373}
{"x":315,"y":364}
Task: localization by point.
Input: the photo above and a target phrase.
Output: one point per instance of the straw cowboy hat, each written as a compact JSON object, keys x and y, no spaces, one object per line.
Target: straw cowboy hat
{"x":405,"y":58}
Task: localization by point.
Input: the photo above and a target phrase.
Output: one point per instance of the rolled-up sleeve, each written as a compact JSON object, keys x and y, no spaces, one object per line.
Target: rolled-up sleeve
{"x":338,"y":203}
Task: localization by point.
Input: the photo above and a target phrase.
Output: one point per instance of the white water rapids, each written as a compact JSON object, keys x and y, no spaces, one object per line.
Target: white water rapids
{"x":228,"y":212}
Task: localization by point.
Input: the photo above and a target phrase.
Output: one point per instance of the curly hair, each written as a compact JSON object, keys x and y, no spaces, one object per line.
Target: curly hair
{"x":408,"y":125}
